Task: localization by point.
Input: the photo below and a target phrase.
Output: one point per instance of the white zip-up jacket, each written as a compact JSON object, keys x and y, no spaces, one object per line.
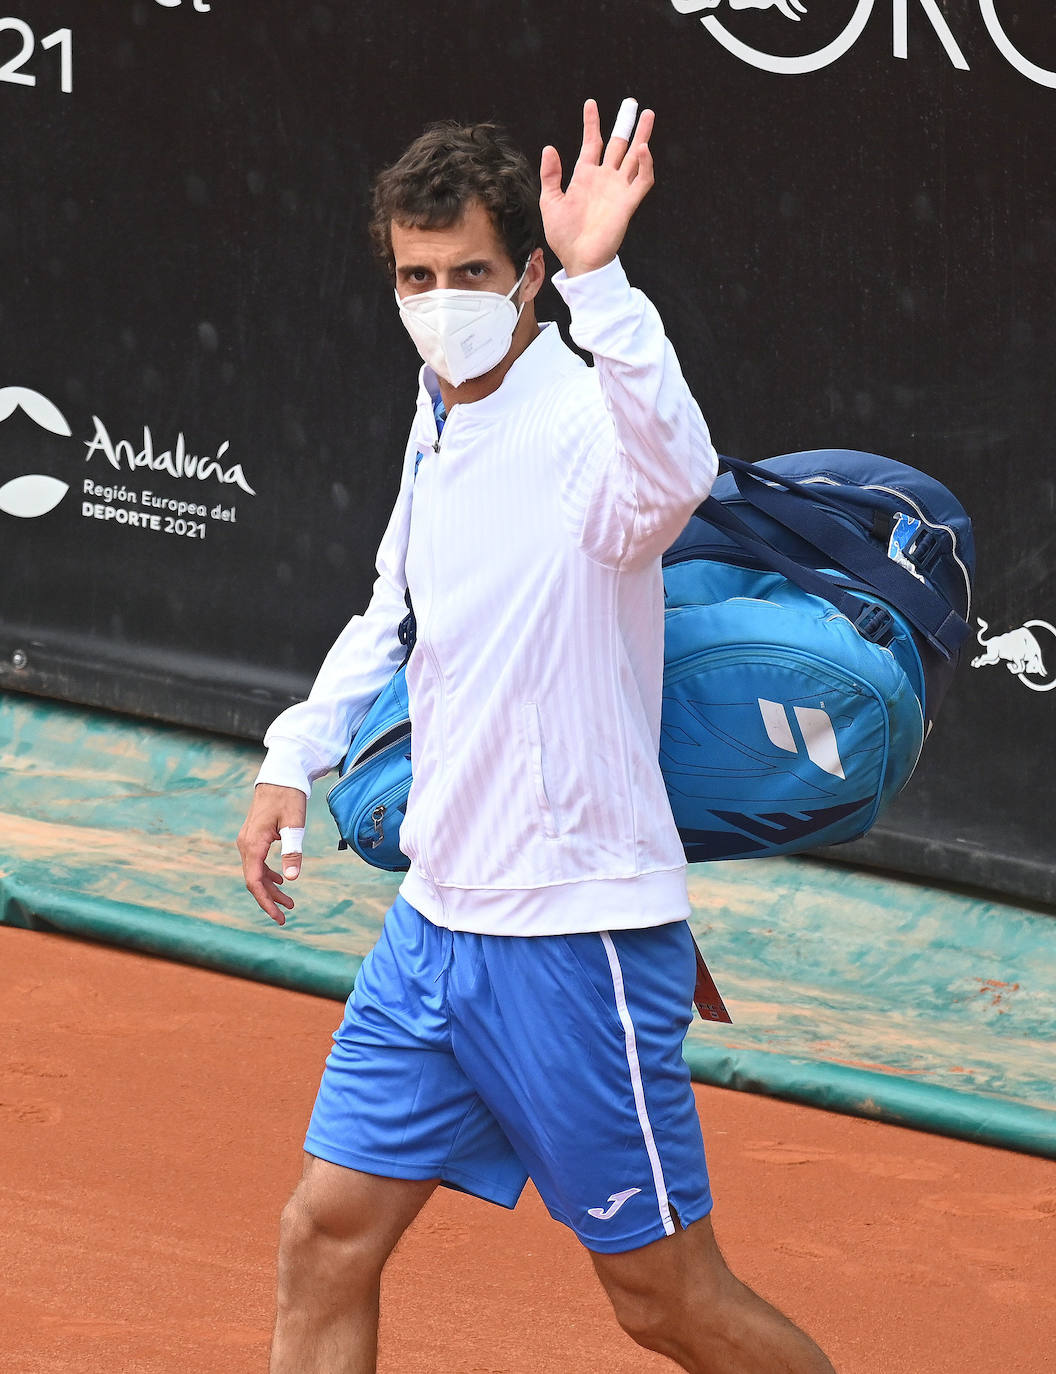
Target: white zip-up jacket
{"x":531,"y":544}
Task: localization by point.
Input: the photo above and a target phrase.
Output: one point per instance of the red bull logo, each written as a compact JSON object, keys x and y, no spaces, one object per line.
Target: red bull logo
{"x":791,"y":9}
{"x":1020,"y":650}
{"x":832,"y":47}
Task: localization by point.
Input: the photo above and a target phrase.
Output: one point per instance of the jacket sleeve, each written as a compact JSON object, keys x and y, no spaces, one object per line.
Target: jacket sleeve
{"x":310,"y":738}
{"x":641,"y":468}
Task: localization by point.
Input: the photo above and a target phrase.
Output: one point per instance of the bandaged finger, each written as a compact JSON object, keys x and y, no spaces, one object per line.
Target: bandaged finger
{"x":291,"y":837}
{"x":624,"y":126}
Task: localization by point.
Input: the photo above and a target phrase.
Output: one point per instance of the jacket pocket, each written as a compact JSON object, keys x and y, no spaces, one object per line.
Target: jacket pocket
{"x":534,"y":732}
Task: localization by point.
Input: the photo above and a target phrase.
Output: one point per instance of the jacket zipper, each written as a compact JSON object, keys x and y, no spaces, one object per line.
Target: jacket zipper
{"x":435,"y":446}
{"x":421,"y":647}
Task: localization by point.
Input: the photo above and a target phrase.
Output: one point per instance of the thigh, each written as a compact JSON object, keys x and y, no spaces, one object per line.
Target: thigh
{"x":346,"y":1203}
{"x":393,"y":1101}
{"x":575,"y":1043}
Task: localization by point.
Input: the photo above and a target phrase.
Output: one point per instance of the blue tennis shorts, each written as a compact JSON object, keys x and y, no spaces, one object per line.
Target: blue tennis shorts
{"x":483,"y":1060}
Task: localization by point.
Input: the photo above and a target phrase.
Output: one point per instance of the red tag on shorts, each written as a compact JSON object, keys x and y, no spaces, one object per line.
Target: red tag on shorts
{"x":706,"y":996}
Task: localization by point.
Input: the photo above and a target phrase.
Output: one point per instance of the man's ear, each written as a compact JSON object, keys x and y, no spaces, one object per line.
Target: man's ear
{"x":534,"y":276}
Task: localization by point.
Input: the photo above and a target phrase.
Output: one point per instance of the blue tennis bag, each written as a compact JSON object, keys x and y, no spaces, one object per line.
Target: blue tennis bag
{"x":816,"y":604}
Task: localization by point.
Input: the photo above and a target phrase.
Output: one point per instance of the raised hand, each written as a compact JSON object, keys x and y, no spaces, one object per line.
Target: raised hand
{"x":586,"y":223}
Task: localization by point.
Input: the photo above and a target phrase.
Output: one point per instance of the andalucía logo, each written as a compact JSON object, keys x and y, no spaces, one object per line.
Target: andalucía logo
{"x":35,"y":493}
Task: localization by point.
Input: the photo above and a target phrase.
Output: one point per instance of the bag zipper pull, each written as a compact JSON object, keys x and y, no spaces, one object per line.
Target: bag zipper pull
{"x":377,"y":816}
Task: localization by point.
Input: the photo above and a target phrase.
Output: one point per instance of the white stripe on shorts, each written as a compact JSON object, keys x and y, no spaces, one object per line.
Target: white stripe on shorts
{"x":636,"y":1081}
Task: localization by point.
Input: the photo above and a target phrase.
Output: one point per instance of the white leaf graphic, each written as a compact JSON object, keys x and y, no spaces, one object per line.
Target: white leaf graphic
{"x":37,"y":407}
{"x":32,"y":495}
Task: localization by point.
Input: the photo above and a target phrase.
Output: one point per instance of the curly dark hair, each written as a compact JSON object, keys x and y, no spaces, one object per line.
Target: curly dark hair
{"x":444,"y":170}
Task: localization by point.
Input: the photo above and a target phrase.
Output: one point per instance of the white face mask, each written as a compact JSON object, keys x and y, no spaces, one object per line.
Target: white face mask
{"x":461,"y":334}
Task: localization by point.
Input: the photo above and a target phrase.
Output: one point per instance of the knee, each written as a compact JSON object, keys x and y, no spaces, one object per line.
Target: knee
{"x":299,"y":1228}
{"x":643,"y":1317}
{"x":675,"y":1311}
{"x":326,"y":1250}
{"x":665,"y":1324}
{"x":651,"y":1315}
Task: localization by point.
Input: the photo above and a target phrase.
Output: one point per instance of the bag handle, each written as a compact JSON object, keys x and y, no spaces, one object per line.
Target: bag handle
{"x":926,"y":610}
{"x":741,"y":465}
{"x":862,"y":614}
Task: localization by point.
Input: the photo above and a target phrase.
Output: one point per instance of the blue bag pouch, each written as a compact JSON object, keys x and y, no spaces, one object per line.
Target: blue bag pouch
{"x":369,"y":799}
{"x":783,"y":729}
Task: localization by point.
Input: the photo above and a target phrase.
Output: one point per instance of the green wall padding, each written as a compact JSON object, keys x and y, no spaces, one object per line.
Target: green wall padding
{"x":852,"y":991}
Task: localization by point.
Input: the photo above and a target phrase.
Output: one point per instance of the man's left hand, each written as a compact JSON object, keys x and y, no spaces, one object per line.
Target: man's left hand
{"x":585,"y":224}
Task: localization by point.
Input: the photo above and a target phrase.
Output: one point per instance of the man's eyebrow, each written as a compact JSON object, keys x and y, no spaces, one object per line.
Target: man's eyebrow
{"x":405,"y":269}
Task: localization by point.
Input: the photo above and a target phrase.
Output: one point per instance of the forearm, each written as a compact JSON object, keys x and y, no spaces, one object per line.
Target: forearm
{"x":310,"y":738}
{"x":657,"y":459}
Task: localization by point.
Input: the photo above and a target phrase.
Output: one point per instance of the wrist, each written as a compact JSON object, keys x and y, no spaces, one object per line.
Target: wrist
{"x":579,"y":267}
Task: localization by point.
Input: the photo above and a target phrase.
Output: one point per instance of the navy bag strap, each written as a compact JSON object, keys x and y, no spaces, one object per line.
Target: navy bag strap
{"x":819,"y":495}
{"x":870,"y":623}
{"x":926,"y":610}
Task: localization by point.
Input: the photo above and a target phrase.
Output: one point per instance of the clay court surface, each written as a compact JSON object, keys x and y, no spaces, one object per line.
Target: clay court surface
{"x":150,"y":1125}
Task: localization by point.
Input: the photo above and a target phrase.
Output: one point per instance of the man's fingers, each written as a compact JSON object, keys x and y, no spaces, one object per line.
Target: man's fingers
{"x":638,"y":164}
{"x":638,"y":167}
{"x":271,"y":900}
{"x":550,"y":171}
{"x":262,"y":881}
{"x":292,"y":838}
{"x":624,"y":126}
{"x":639,"y":145}
{"x":591,"y":149}
{"x":268,"y":894}
{"x":621,"y":133}
{"x":277,"y":813}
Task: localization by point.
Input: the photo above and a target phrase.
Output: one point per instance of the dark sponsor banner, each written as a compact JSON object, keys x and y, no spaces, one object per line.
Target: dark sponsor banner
{"x":204,"y":387}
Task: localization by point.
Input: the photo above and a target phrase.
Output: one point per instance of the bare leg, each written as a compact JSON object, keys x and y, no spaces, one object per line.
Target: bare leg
{"x":337,"y":1231}
{"x":677,"y":1297}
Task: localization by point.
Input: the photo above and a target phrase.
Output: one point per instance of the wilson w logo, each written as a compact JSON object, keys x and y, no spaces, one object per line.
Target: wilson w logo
{"x":815,"y":727}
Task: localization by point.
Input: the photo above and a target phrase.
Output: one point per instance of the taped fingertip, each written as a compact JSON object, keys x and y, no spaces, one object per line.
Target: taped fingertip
{"x":291,"y":837}
{"x":624,"y":126}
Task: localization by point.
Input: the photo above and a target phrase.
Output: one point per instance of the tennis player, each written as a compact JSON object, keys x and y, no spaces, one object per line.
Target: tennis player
{"x":523,"y":1012}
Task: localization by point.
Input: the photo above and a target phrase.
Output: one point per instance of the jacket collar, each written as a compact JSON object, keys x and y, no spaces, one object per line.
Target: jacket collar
{"x":544,"y":357}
